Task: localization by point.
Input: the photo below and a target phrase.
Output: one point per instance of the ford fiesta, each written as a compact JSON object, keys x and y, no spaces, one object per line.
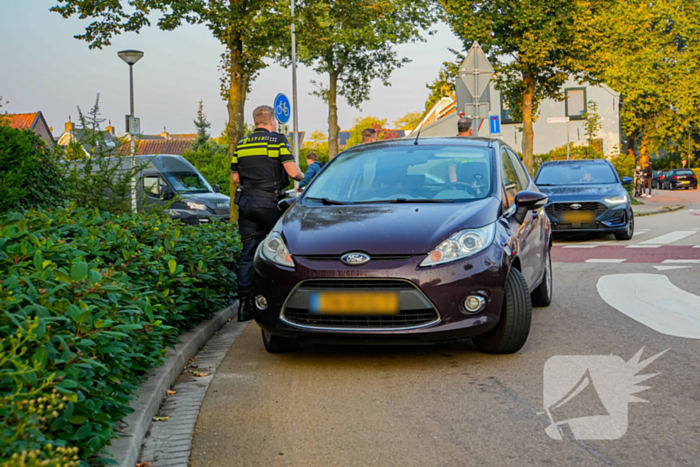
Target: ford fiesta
{"x":398,"y":242}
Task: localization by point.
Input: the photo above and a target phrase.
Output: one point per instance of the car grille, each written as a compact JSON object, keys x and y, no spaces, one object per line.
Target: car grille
{"x":555,"y":208}
{"x":372,"y":257}
{"x":578,"y":226}
{"x":406,"y":318}
{"x":222,"y":212}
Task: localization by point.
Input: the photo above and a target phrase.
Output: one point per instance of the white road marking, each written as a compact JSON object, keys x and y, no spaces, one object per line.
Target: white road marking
{"x":668,"y":268}
{"x":696,"y":246}
{"x":640,"y":232}
{"x":643,"y":246}
{"x":580,"y":246}
{"x":654,"y":301}
{"x":692,"y":261}
{"x":671,"y":237}
{"x":605,"y":260}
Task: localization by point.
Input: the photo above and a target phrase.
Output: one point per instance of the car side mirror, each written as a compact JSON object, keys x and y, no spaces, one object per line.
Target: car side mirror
{"x":168,"y":194}
{"x":527,"y":201}
{"x":217,"y":188}
{"x":286,"y":203}
{"x":627,"y":180}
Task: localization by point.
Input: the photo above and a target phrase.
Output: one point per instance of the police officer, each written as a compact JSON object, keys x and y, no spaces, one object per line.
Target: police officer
{"x":261,"y":165}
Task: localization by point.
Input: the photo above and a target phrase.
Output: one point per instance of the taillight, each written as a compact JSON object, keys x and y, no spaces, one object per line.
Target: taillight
{"x":662,"y":177}
{"x":695,"y":176}
{"x":675,"y":177}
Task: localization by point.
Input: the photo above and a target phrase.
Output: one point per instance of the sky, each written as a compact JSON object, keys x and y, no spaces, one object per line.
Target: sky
{"x":43,"y":67}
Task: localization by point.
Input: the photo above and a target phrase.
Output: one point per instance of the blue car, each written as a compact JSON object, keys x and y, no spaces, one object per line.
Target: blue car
{"x":586,"y":196}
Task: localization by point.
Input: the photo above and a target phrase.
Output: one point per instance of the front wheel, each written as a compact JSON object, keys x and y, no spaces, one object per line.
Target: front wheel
{"x":516,"y":314}
{"x":542,"y":295}
{"x":629,"y":233}
{"x":277,"y":344}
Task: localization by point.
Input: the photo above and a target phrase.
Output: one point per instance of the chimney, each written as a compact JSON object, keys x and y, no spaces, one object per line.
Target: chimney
{"x":70,"y":126}
{"x":110,"y":128}
{"x":165,"y":134}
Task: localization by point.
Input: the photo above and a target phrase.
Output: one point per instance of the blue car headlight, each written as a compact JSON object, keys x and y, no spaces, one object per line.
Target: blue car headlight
{"x":461,"y":245}
{"x":617,"y":199}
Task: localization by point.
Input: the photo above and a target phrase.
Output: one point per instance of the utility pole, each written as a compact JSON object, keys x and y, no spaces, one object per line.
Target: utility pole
{"x":295,"y":111}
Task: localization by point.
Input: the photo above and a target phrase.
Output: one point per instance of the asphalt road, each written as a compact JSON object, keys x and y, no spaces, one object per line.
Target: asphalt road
{"x":451,"y":405}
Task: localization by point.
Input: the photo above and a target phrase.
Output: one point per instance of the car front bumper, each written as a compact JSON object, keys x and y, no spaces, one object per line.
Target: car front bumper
{"x":614,"y":219}
{"x":441,"y":289}
{"x":197,"y":217}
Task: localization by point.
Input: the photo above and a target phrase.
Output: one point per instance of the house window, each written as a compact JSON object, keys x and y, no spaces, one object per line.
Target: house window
{"x":506,"y":115}
{"x":575,"y":103}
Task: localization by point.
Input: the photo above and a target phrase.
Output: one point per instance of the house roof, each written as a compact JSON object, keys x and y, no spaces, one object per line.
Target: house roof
{"x":23,"y":121}
{"x":147,"y":147}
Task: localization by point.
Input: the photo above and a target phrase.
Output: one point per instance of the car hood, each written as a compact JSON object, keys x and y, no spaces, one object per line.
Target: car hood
{"x":582,"y":192}
{"x":380,"y":228}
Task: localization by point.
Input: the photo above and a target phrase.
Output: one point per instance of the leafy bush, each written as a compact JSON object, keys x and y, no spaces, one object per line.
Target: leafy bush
{"x":89,"y":301}
{"x":28,"y":172}
{"x":213,"y":163}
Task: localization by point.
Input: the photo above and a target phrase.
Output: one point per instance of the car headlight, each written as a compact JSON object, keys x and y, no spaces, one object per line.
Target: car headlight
{"x":460,"y":245}
{"x":197,"y":206}
{"x":617,"y":199}
{"x":274,"y":249}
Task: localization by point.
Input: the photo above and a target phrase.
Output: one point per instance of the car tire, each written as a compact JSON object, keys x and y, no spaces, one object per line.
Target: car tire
{"x":278,"y":344}
{"x":542,"y":295}
{"x":629,"y":233}
{"x":512,"y":330}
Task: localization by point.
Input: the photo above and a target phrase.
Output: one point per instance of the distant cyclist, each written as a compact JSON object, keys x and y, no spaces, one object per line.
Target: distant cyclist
{"x":638,"y":180}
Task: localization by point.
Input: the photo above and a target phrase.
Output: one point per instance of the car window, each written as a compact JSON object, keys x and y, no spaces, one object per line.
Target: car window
{"x":575,"y":174}
{"x":510,"y":177}
{"x":151,"y":186}
{"x":189,"y":182}
{"x":684,"y":172}
{"x":519,"y":169}
{"x":429,"y":172}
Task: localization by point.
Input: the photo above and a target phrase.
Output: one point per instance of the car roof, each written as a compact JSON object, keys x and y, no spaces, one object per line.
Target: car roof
{"x":409,"y":140}
{"x":577,"y":161}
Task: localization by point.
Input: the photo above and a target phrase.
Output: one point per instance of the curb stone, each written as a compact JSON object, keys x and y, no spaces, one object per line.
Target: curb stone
{"x":125,"y":450}
{"x":662,"y":210}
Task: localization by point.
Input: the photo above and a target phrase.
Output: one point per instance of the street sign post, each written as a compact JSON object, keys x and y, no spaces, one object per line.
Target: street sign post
{"x":562,"y":120}
{"x":495,"y":126}
{"x":476,"y":72}
{"x":282,"y":108}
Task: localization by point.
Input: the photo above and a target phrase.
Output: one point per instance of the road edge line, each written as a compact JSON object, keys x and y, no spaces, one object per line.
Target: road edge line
{"x":148,"y":397}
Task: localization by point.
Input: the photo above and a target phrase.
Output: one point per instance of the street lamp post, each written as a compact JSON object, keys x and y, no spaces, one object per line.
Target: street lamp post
{"x":131,"y":57}
{"x":295,"y":136}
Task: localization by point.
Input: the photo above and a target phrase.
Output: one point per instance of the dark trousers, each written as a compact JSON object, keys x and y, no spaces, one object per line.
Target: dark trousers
{"x":257,"y":215}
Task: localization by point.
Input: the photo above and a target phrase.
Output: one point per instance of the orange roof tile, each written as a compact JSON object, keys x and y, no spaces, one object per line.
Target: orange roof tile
{"x":22,"y":121}
{"x":148,"y":147}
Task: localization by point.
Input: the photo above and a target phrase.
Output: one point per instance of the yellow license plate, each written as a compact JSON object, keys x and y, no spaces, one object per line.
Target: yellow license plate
{"x":354,"y":303}
{"x":578,"y":217}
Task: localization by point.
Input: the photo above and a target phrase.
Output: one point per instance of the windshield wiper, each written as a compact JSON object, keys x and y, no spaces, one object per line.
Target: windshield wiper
{"x":545,"y":184}
{"x":327,"y":202}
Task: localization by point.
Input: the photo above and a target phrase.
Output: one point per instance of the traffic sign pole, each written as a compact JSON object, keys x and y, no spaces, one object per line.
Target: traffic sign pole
{"x":294,"y":94}
{"x":476,"y":72}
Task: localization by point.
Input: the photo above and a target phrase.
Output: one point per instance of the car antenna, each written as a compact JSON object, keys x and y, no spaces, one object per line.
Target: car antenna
{"x":415,"y":143}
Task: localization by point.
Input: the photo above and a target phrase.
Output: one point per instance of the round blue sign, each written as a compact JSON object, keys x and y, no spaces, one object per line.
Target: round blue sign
{"x":282,"y":108}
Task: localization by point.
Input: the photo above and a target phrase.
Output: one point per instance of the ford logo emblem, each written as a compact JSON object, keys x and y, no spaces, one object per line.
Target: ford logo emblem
{"x":575,"y":206}
{"x":354,"y":259}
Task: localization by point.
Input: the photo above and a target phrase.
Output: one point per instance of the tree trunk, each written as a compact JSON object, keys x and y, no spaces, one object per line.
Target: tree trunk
{"x":333,"y":127}
{"x":631,"y":139}
{"x":236,"y":116}
{"x":528,"y":132}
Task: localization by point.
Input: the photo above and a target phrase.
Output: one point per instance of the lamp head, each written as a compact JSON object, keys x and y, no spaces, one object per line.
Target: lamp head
{"x":130,"y":56}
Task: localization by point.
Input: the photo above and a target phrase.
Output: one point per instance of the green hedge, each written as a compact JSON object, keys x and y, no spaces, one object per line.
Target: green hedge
{"x":89,"y":302}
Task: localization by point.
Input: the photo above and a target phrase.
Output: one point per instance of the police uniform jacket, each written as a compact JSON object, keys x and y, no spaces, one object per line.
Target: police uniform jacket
{"x":259,"y":160}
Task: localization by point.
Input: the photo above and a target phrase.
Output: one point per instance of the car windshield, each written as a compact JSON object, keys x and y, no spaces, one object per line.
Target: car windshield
{"x":684,"y":172}
{"x":189,"y":182}
{"x":575,"y":174}
{"x":405,"y":174}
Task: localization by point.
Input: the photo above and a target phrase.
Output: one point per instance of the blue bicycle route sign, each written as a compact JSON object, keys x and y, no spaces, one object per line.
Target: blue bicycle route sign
{"x":282,"y":108}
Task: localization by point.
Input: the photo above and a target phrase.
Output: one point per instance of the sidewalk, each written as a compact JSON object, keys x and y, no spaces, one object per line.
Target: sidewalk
{"x":665,"y":200}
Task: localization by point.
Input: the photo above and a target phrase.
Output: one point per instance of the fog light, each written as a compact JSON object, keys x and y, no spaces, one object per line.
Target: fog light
{"x":261,"y":302}
{"x":474,"y":303}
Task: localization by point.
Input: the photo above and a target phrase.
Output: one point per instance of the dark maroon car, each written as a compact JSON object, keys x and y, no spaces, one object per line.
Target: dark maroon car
{"x":397,"y":242}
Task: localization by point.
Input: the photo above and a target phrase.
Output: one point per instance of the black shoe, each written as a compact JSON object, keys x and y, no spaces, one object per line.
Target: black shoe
{"x":245,"y":309}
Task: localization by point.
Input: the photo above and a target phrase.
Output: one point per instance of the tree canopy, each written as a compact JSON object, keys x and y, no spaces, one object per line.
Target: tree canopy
{"x":353,"y":42}
{"x":530,"y":45}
